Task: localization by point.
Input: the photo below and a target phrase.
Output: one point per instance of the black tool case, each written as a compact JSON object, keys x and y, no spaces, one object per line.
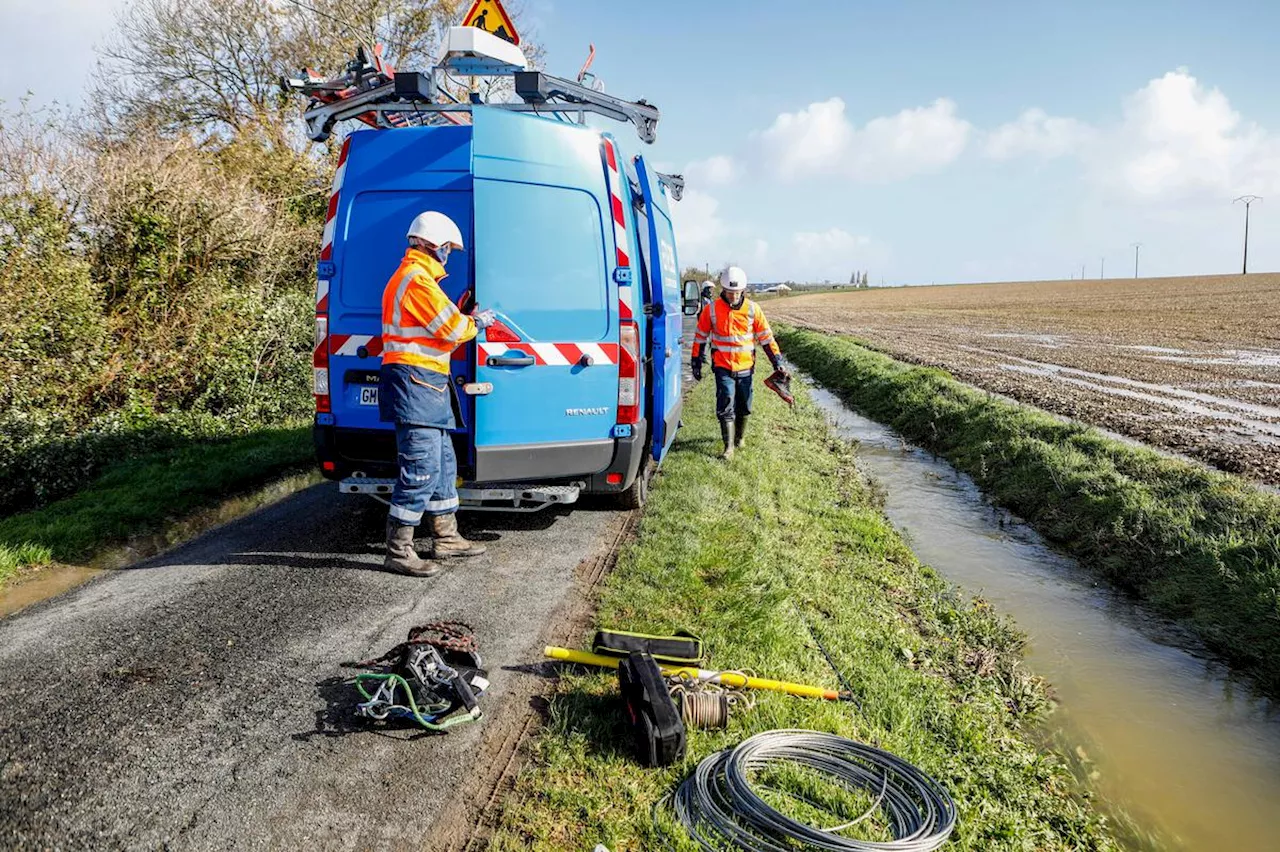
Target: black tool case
{"x":681,"y":649}
{"x":656,"y":724}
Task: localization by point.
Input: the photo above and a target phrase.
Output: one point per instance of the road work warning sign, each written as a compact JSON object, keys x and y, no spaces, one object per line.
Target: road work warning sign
{"x":488,"y":15}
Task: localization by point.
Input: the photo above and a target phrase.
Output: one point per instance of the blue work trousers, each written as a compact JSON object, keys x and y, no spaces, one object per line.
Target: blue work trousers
{"x":733,"y":393}
{"x":428,"y":481}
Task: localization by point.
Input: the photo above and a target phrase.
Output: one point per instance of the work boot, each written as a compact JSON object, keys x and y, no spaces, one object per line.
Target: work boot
{"x":726,"y":435}
{"x":740,"y":431}
{"x":401,"y":557}
{"x":449,"y":542}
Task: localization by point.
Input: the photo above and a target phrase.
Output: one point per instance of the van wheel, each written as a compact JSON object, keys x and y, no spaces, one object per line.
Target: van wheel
{"x":638,"y":494}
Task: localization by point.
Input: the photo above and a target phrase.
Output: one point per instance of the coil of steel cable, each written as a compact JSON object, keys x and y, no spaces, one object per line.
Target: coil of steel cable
{"x":718,"y":804}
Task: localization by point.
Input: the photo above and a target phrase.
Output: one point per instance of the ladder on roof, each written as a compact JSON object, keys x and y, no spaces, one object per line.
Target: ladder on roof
{"x":371,"y":91}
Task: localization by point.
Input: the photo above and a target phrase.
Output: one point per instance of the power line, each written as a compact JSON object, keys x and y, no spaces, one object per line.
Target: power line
{"x":1248,"y":200}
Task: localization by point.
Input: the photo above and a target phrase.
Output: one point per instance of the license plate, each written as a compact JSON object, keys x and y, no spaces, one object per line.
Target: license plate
{"x":368,"y":396}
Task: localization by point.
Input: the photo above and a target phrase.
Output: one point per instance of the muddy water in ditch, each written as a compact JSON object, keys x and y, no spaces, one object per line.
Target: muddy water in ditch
{"x":1193,"y":755}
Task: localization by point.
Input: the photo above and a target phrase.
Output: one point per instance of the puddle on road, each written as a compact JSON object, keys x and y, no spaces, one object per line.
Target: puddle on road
{"x":1185,"y":749}
{"x":47,"y":582}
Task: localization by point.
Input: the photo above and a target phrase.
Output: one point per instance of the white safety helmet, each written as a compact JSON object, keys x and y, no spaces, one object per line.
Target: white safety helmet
{"x":436,"y":229}
{"x":733,"y":280}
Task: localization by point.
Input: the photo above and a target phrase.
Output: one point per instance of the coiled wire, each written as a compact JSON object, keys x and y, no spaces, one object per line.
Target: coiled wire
{"x":717,"y":803}
{"x":706,"y":705}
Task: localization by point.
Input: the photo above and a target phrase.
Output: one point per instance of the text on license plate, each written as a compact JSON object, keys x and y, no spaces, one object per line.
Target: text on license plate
{"x":368,"y":396}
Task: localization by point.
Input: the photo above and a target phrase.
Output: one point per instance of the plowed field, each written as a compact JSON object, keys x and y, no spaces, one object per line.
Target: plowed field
{"x":1191,"y":365}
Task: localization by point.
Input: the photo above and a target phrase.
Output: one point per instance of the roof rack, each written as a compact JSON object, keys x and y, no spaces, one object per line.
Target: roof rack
{"x":371,"y":91}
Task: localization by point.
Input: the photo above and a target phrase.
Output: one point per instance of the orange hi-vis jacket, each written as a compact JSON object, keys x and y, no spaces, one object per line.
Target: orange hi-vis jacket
{"x":420,"y":326}
{"x":734,"y":334}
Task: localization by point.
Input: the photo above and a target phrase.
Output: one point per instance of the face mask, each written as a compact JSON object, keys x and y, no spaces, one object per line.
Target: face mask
{"x":442,"y":253}
{"x":734,"y":299}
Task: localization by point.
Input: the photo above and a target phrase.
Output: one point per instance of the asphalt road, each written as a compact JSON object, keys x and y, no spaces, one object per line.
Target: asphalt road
{"x":196,"y":700}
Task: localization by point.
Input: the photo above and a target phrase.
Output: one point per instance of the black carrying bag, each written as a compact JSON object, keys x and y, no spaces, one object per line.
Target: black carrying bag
{"x":682,"y":649}
{"x":655,"y":722}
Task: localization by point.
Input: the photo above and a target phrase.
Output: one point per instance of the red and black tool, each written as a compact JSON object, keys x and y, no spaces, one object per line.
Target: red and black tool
{"x":780,"y":383}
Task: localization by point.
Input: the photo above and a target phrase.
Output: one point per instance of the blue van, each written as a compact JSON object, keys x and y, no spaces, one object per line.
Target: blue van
{"x":570,"y":242}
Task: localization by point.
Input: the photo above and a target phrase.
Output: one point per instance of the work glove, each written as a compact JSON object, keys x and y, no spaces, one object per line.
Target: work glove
{"x":696,"y":367}
{"x":484,"y":319}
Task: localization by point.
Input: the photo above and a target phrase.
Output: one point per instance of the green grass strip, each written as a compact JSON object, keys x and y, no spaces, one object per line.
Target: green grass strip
{"x":142,"y":495}
{"x":1198,"y":545}
{"x":748,"y":554}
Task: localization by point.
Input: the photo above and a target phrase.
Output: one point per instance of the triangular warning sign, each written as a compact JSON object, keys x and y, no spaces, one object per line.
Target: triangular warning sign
{"x":488,"y":15}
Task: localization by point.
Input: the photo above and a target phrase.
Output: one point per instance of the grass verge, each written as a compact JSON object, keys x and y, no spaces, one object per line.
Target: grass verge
{"x":753,"y":555}
{"x":148,"y":495}
{"x":1200,"y":546}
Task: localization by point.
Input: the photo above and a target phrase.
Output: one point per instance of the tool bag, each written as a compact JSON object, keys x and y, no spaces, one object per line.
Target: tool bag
{"x":682,"y":649}
{"x":656,"y":725}
{"x":435,"y":681}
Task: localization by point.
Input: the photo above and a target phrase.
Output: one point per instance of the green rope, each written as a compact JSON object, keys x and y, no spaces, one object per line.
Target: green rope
{"x":397,"y":680}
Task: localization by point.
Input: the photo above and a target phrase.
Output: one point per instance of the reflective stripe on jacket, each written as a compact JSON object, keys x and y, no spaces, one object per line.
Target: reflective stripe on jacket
{"x":420,"y":326}
{"x":733,"y":334}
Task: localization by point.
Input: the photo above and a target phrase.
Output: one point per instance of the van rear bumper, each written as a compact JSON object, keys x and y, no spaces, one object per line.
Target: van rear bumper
{"x":628,"y":457}
{"x":342,"y":452}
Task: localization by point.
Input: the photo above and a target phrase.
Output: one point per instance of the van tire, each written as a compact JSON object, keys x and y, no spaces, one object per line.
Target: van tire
{"x":638,"y":494}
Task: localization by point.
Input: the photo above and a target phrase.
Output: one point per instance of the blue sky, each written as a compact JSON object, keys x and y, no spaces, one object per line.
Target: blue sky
{"x":923,"y":141}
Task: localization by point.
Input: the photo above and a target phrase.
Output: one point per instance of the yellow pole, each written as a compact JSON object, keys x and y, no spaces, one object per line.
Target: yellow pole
{"x":733,"y":679}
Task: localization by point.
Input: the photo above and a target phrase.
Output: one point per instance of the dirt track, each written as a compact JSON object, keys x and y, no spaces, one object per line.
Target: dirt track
{"x":1191,"y":365}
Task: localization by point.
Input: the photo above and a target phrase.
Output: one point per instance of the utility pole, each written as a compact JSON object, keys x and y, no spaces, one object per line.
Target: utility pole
{"x":1248,"y":200}
{"x":1136,"y":246}
{"x":1082,"y":272}
{"x":1102,"y":269}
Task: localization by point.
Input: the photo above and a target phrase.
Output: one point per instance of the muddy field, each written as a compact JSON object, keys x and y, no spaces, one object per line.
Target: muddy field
{"x":1191,"y":365}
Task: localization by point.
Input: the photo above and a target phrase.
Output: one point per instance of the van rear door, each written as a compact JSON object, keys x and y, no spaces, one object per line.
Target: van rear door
{"x":663,"y":292}
{"x":391,"y":177}
{"x":547,"y":377}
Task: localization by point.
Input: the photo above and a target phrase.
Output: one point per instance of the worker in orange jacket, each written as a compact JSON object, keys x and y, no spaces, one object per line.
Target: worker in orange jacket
{"x":733,"y":325}
{"x":420,"y":329}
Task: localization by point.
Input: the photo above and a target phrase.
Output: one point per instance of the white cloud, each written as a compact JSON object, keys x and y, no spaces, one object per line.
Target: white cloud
{"x":833,"y":241}
{"x":713,"y":171}
{"x":1180,"y":139}
{"x":1037,"y":133}
{"x":701,"y":230}
{"x":821,"y":140}
{"x":831,"y":254}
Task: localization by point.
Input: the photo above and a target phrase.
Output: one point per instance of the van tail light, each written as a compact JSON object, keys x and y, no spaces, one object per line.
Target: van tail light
{"x":499,"y":333}
{"x":320,"y":365}
{"x":629,"y":373}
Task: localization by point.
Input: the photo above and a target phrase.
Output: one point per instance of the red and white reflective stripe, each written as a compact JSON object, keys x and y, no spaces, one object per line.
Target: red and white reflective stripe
{"x":625,"y":311}
{"x":331,"y":216}
{"x":349,"y":344}
{"x":320,"y":354}
{"x":615,"y":203}
{"x":554,"y":354}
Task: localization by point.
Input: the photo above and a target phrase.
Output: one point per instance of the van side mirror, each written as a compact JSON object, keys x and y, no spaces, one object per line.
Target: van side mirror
{"x":692,"y":299}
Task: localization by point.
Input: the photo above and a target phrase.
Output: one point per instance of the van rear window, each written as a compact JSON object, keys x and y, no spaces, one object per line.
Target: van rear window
{"x":540,"y":259}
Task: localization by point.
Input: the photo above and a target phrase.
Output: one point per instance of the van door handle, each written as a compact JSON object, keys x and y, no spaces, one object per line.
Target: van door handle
{"x":511,"y":361}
